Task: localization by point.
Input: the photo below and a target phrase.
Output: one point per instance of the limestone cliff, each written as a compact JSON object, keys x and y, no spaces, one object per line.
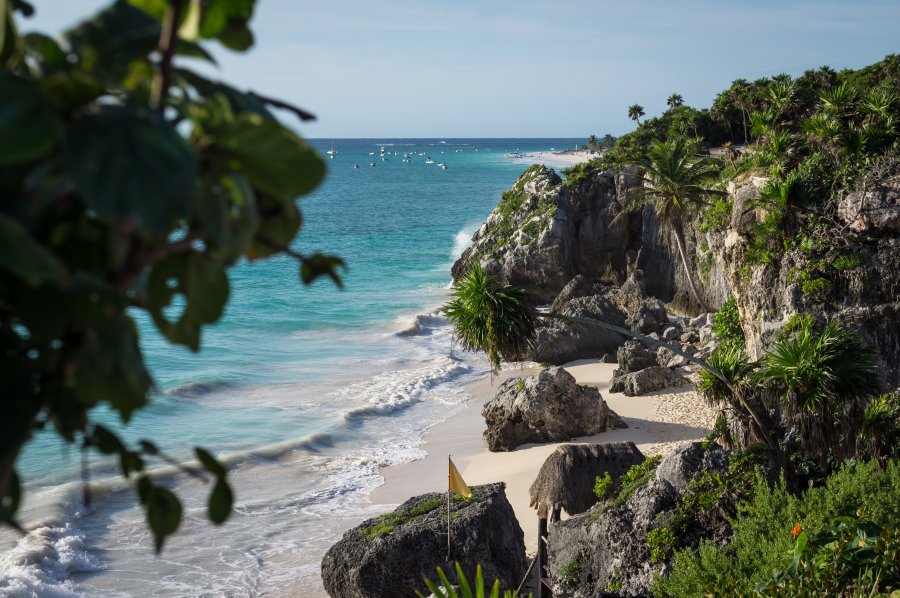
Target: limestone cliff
{"x":545,"y":231}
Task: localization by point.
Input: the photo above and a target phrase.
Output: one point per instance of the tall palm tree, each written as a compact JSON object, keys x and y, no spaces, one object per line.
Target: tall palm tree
{"x":635,"y":112}
{"x":592,"y":142}
{"x":740,"y":95}
{"x":675,"y":100}
{"x":674,"y":182}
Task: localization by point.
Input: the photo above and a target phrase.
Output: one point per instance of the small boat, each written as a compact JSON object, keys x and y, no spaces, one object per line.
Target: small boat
{"x":356,"y":166}
{"x":443,"y":166}
{"x":372,"y":164}
{"x":371,"y":153}
{"x":382,"y":150}
{"x":332,"y":152}
{"x":429,"y":161}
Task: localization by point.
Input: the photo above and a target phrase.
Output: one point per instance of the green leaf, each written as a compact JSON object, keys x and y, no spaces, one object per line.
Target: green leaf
{"x":221,"y":500}
{"x":29,"y":126}
{"x":106,"y":441}
{"x":319,"y":264}
{"x":238,"y":100}
{"x":464,"y":588}
{"x":236,"y":37}
{"x":154,"y":8}
{"x":110,"y":368}
{"x":24,"y":257}
{"x":271,"y":156}
{"x":279,"y":224}
{"x":46,"y":51}
{"x":201,"y":282}
{"x":69,"y":92}
{"x":163,"y":508}
{"x":130,"y":164}
{"x":209,"y":462}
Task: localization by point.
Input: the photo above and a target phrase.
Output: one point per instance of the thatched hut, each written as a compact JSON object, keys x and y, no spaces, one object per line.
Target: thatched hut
{"x":566,"y":479}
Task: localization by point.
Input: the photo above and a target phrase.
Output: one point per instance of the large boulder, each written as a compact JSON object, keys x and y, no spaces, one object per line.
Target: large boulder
{"x":609,"y":543}
{"x":558,"y":342}
{"x":388,"y":556}
{"x":633,"y":356}
{"x":546,"y":407}
{"x":648,"y":380}
{"x":649,"y":316}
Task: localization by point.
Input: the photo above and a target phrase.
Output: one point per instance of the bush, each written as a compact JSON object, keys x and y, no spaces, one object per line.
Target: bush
{"x":727,"y":324}
{"x":762,"y":528}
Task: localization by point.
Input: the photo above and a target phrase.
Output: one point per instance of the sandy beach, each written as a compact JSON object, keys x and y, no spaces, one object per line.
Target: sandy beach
{"x":558,"y":159}
{"x":656,"y":424}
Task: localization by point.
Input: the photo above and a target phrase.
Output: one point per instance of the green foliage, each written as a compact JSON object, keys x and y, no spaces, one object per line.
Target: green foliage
{"x":463,"y":588}
{"x":489,"y":317}
{"x":576,"y":174}
{"x":661,"y":541}
{"x":727,"y":324}
{"x":636,"y":476}
{"x":879,"y":432}
{"x":761,"y":542}
{"x":823,"y":378}
{"x":717,"y":215}
{"x":817,"y":289}
{"x":389,"y":522}
{"x":129,"y":184}
{"x":851,"y":556}
{"x":569,"y":571}
{"x":847,"y":261}
{"x":603,"y":486}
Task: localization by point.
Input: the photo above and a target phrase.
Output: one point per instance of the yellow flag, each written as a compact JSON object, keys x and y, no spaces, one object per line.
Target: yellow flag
{"x":457,"y":484}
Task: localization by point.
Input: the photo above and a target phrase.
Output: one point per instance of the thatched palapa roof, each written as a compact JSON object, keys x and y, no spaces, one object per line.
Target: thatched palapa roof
{"x":566,"y":479}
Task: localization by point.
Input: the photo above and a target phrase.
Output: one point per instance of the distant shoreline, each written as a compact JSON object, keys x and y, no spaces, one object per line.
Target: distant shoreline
{"x":548,"y":158}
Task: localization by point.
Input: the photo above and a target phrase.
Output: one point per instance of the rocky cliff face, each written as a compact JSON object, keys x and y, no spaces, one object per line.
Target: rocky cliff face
{"x":544,"y":232}
{"x":857,"y":284}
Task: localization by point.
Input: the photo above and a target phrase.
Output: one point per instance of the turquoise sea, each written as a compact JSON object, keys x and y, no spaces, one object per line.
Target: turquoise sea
{"x":305,"y":391}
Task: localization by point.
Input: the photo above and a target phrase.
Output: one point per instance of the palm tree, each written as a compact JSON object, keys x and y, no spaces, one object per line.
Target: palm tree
{"x":592,"y":142}
{"x":675,"y":100}
{"x":824,"y":380}
{"x":635,"y":112}
{"x":673,"y":181}
{"x":740,"y":95}
{"x":498,"y":320}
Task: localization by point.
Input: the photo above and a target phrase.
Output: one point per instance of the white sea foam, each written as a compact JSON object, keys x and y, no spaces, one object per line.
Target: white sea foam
{"x":44,"y":560}
{"x":462,"y":240}
{"x":422,"y":324}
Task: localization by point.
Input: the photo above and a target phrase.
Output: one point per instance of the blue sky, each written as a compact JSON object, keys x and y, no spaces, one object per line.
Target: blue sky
{"x":524,"y":68}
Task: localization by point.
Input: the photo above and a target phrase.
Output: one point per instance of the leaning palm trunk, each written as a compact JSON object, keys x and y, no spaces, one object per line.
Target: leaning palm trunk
{"x":678,"y":230}
{"x":476,"y":295}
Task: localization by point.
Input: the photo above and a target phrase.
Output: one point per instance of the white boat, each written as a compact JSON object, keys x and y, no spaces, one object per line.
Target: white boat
{"x":382,"y":150}
{"x":371,"y":153}
{"x":443,"y":166}
{"x":332,"y":152}
{"x":429,"y":161}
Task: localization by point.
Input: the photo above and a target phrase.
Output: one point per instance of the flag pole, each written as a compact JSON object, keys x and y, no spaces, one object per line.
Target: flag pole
{"x":449,"y":483}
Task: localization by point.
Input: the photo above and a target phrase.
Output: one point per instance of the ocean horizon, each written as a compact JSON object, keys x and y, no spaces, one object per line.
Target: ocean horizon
{"x":306,"y":392}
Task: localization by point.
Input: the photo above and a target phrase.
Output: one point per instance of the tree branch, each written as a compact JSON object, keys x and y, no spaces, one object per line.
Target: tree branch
{"x":168,"y":39}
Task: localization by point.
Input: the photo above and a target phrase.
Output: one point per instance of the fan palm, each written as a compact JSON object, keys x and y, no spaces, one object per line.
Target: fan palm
{"x":823,"y":380}
{"x":675,"y":100}
{"x":674,"y":182}
{"x":635,"y":112}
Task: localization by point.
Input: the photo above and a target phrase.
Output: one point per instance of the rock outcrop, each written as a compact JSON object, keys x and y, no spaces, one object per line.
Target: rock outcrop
{"x":544,"y":232}
{"x":858,"y":286}
{"x":388,"y":556}
{"x":648,"y":380}
{"x":546,"y":407}
{"x":558,"y":342}
{"x":610,"y":546}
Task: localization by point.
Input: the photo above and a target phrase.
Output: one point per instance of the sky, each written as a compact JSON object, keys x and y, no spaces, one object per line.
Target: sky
{"x":524,"y":68}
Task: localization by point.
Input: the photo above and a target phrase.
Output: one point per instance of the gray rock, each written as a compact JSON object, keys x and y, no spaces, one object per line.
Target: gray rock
{"x":701,"y":320}
{"x":875,"y":210}
{"x":578,"y":287}
{"x":546,"y":407}
{"x":484,"y":531}
{"x":646,"y":381}
{"x":706,"y":334}
{"x":649,"y":317}
{"x":671,"y":333}
{"x":632,"y":357}
{"x":690,"y":337}
{"x":559,"y":342}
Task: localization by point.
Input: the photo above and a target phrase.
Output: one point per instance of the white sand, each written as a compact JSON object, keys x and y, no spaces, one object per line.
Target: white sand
{"x":657,"y":423}
{"x":561,"y":159}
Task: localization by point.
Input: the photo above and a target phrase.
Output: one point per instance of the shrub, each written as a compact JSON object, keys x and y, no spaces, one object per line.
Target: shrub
{"x":634,"y":478}
{"x":727,"y":324}
{"x":570,"y":570}
{"x":761,"y":541}
{"x":603,"y":486}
